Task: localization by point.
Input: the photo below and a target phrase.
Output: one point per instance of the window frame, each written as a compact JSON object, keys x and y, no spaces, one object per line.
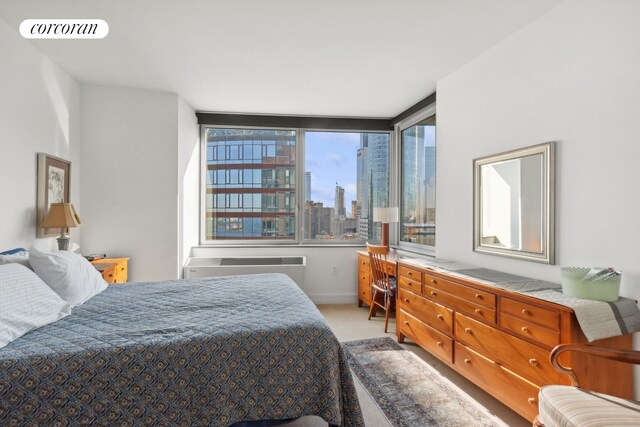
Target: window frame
{"x":299,"y":239}
{"x":399,"y":127}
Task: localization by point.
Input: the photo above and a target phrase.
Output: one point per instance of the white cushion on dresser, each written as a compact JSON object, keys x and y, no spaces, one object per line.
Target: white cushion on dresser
{"x":565,"y":406}
{"x":70,"y":275}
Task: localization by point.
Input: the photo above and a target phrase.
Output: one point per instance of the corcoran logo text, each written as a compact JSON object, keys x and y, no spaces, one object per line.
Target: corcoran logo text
{"x":64,"y":29}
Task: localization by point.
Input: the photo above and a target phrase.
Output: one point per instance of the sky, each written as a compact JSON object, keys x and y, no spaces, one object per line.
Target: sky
{"x":331,"y":157}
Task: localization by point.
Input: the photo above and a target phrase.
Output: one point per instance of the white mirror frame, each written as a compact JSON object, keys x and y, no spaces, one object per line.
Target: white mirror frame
{"x":547,"y":253}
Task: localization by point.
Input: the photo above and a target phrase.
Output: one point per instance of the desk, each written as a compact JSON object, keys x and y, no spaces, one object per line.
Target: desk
{"x":364,"y":275}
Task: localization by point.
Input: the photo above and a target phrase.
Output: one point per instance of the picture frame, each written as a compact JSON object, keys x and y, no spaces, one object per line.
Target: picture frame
{"x":54,"y":186}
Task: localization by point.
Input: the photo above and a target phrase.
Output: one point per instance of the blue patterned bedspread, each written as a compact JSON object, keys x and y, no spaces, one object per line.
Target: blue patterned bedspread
{"x":210,"y":351}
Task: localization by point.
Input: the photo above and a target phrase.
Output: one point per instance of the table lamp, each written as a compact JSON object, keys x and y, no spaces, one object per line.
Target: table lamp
{"x":63,"y":216}
{"x":385,"y":215}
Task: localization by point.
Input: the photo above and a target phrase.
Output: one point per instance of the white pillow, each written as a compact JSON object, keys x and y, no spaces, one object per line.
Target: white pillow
{"x":70,"y":275}
{"x":26,"y":303}
{"x":21,"y":257}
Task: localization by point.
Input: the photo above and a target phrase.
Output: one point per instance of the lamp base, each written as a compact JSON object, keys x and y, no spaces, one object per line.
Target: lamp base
{"x":63,"y":242}
{"x":385,"y":234}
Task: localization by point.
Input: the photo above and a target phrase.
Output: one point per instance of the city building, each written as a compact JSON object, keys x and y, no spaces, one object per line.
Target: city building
{"x":362,"y":173}
{"x":307,"y":186}
{"x":372,"y":180}
{"x":339,"y":206}
{"x":250,"y":184}
{"x":318,"y":220}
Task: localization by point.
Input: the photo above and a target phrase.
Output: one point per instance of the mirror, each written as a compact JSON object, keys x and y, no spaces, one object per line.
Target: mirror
{"x":514,"y":204}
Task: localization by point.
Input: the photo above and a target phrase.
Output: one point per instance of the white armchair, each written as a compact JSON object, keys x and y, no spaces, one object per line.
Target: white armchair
{"x":564,"y":406}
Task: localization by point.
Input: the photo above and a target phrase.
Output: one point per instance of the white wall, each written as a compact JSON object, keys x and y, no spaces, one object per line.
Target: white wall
{"x":331,"y":274}
{"x":188,"y":180}
{"x":570,"y":76}
{"x":129,"y":180}
{"x":39,"y":112}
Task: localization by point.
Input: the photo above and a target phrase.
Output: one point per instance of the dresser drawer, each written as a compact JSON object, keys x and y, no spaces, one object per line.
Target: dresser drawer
{"x":363,"y":262}
{"x":121,"y":272}
{"x":410,"y":273}
{"x":467,"y":306}
{"x":485,"y":299}
{"x":520,"y":356}
{"x":108,"y":272}
{"x":364,"y":291}
{"x":530,"y":330}
{"x":424,"y":335}
{"x":531,"y":313}
{"x":411,"y":284}
{"x":429,"y":312}
{"x":363,"y":278}
{"x":498,"y":381}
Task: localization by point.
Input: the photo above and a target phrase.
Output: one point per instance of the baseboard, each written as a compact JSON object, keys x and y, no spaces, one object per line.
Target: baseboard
{"x":335,"y":298}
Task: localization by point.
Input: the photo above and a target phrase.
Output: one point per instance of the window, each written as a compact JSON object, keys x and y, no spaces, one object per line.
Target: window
{"x":250,"y":184}
{"x":254,"y":188}
{"x":418,"y":183}
{"x":346,"y":176}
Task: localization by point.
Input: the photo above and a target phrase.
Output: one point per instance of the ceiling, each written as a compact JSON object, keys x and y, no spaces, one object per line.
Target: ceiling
{"x":349,"y":58}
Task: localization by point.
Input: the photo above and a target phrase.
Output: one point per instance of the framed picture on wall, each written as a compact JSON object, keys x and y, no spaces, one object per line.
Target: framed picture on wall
{"x":54,"y":184}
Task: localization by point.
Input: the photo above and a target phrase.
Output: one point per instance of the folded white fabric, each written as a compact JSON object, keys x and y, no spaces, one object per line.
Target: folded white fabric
{"x":70,"y":275}
{"x":21,"y":257}
{"x":26,"y":303}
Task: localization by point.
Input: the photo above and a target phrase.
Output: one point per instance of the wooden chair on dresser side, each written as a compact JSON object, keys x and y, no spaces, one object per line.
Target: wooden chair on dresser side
{"x":382,"y":284}
{"x":561,"y":405}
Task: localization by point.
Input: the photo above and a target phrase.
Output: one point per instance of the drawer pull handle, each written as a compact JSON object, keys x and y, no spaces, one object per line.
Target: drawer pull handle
{"x":406,"y":323}
{"x":433,"y":281}
{"x":478,"y":311}
{"x":531,"y":400}
{"x":406,"y":300}
{"x":468,"y":330}
{"x":439,"y":343}
{"x":525,"y":311}
{"x":478,"y":296}
{"x":410,"y":273}
{"x":467,"y":361}
{"x":434,"y":294}
{"x":525,"y":329}
{"x":533,"y":362}
{"x":440,"y":316}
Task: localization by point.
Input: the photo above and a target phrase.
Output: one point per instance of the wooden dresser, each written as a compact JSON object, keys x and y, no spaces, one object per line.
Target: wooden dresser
{"x":499,"y":340}
{"x":113,"y":270}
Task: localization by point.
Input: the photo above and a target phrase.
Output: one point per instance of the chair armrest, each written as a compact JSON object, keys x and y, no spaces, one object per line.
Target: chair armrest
{"x":628,"y":356}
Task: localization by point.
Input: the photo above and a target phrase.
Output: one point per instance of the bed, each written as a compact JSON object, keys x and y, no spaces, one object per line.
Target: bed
{"x":212,"y":351}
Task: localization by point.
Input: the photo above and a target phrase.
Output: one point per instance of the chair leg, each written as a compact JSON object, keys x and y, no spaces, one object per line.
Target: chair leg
{"x":387,"y":309}
{"x":372,"y":310}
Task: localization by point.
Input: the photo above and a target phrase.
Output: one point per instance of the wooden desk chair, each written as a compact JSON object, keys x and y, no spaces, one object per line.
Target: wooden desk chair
{"x":381,"y":283}
{"x":561,"y":405}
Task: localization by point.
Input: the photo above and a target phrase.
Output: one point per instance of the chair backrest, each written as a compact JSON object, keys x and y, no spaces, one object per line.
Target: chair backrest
{"x":378,"y":265}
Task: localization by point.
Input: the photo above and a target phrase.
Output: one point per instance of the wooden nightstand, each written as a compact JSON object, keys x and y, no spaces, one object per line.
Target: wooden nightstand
{"x":113,"y":270}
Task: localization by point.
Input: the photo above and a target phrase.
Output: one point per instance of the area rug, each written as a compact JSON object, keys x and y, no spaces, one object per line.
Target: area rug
{"x":409,"y":391}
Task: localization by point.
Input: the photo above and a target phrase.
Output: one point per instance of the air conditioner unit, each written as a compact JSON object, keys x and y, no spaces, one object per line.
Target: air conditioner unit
{"x":230,"y":266}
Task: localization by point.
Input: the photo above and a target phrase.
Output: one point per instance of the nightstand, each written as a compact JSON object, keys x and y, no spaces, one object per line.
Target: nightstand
{"x":113,"y":270}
